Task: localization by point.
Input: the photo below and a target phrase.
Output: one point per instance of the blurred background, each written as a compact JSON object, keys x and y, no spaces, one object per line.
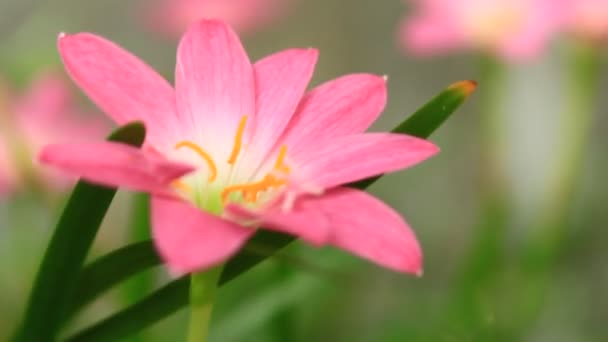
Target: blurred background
{"x":511,"y":214}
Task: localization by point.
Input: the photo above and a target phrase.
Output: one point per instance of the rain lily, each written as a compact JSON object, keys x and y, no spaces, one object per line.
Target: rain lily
{"x":236,"y":147}
{"x":173,"y":17}
{"x":512,"y":29}
{"x":45,"y":114}
{"x":589,"y":18}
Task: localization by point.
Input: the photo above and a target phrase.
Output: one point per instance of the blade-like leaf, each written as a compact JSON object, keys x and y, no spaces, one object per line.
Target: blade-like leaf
{"x":434,"y":113}
{"x":161,"y":303}
{"x":58,"y":273}
{"x":421,"y":124}
{"x":103,"y":273}
{"x":430,"y":116}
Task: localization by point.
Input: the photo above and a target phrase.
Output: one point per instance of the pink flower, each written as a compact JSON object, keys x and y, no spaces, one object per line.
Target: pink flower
{"x":237,"y":146}
{"x":173,"y":17}
{"x":589,"y":18}
{"x":513,"y":29}
{"x":45,"y":114}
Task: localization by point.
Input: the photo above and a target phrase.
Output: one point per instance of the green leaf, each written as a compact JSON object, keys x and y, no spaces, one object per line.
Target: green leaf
{"x":434,"y":113}
{"x":138,"y":286}
{"x":103,"y":273}
{"x":58,"y":273}
{"x":119,"y":265}
{"x":430,"y":116}
{"x":161,"y":303}
{"x":174,"y":296}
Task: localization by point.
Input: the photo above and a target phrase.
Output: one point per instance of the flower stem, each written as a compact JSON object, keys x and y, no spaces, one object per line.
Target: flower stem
{"x":202,"y":293}
{"x":471,"y":293}
{"x":583,"y":64}
{"x":551,"y":229}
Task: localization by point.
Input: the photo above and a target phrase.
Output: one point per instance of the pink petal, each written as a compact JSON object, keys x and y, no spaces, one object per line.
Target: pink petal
{"x":365,"y":226}
{"x":350,"y":158}
{"x":47,"y":98}
{"x":543,"y":20}
{"x":48,"y":113}
{"x":115,"y":164}
{"x":281,"y":80}
{"x":189,"y":239}
{"x":587,"y":19}
{"x":304,"y":221}
{"x":347,"y":105}
{"x":172,"y":17}
{"x":427,"y":35}
{"x":214,"y":85}
{"x":119,"y":83}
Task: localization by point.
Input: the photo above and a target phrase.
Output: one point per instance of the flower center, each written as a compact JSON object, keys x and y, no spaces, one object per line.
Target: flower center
{"x":249,"y":192}
{"x":203,"y":154}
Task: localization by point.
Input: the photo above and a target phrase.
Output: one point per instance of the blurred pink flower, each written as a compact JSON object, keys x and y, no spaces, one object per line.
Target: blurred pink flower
{"x":237,"y":146}
{"x":515,"y":30}
{"x":589,"y":19}
{"x":45,"y":113}
{"x":173,"y":17}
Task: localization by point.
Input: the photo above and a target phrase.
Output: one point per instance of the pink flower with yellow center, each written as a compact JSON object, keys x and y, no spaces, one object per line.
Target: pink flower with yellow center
{"x":45,"y":113}
{"x":589,"y":18}
{"x":173,"y":17}
{"x":237,"y":146}
{"x":513,"y":29}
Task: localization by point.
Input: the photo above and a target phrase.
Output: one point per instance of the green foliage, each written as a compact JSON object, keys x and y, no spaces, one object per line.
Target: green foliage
{"x":58,"y":275}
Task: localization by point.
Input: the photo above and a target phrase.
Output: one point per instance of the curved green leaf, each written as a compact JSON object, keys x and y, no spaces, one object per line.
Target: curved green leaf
{"x":161,"y":303}
{"x":421,"y":124}
{"x":58,"y":273}
{"x":103,"y":273}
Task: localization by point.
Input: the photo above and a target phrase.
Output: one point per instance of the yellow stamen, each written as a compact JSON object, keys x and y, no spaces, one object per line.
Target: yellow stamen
{"x":180,"y":185}
{"x":238,"y":140}
{"x":250,"y":196}
{"x":203,"y":154}
{"x":278,"y":165}
{"x":251,"y":191}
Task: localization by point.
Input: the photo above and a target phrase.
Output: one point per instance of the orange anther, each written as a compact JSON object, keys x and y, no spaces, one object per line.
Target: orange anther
{"x":251,"y":191}
{"x":203,"y":154}
{"x":279,"y":164}
{"x":180,"y":185}
{"x":238,"y":141}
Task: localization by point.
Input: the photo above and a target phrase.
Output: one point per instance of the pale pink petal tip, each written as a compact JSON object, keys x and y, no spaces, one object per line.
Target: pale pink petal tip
{"x":364,"y":226}
{"x":61,"y":35}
